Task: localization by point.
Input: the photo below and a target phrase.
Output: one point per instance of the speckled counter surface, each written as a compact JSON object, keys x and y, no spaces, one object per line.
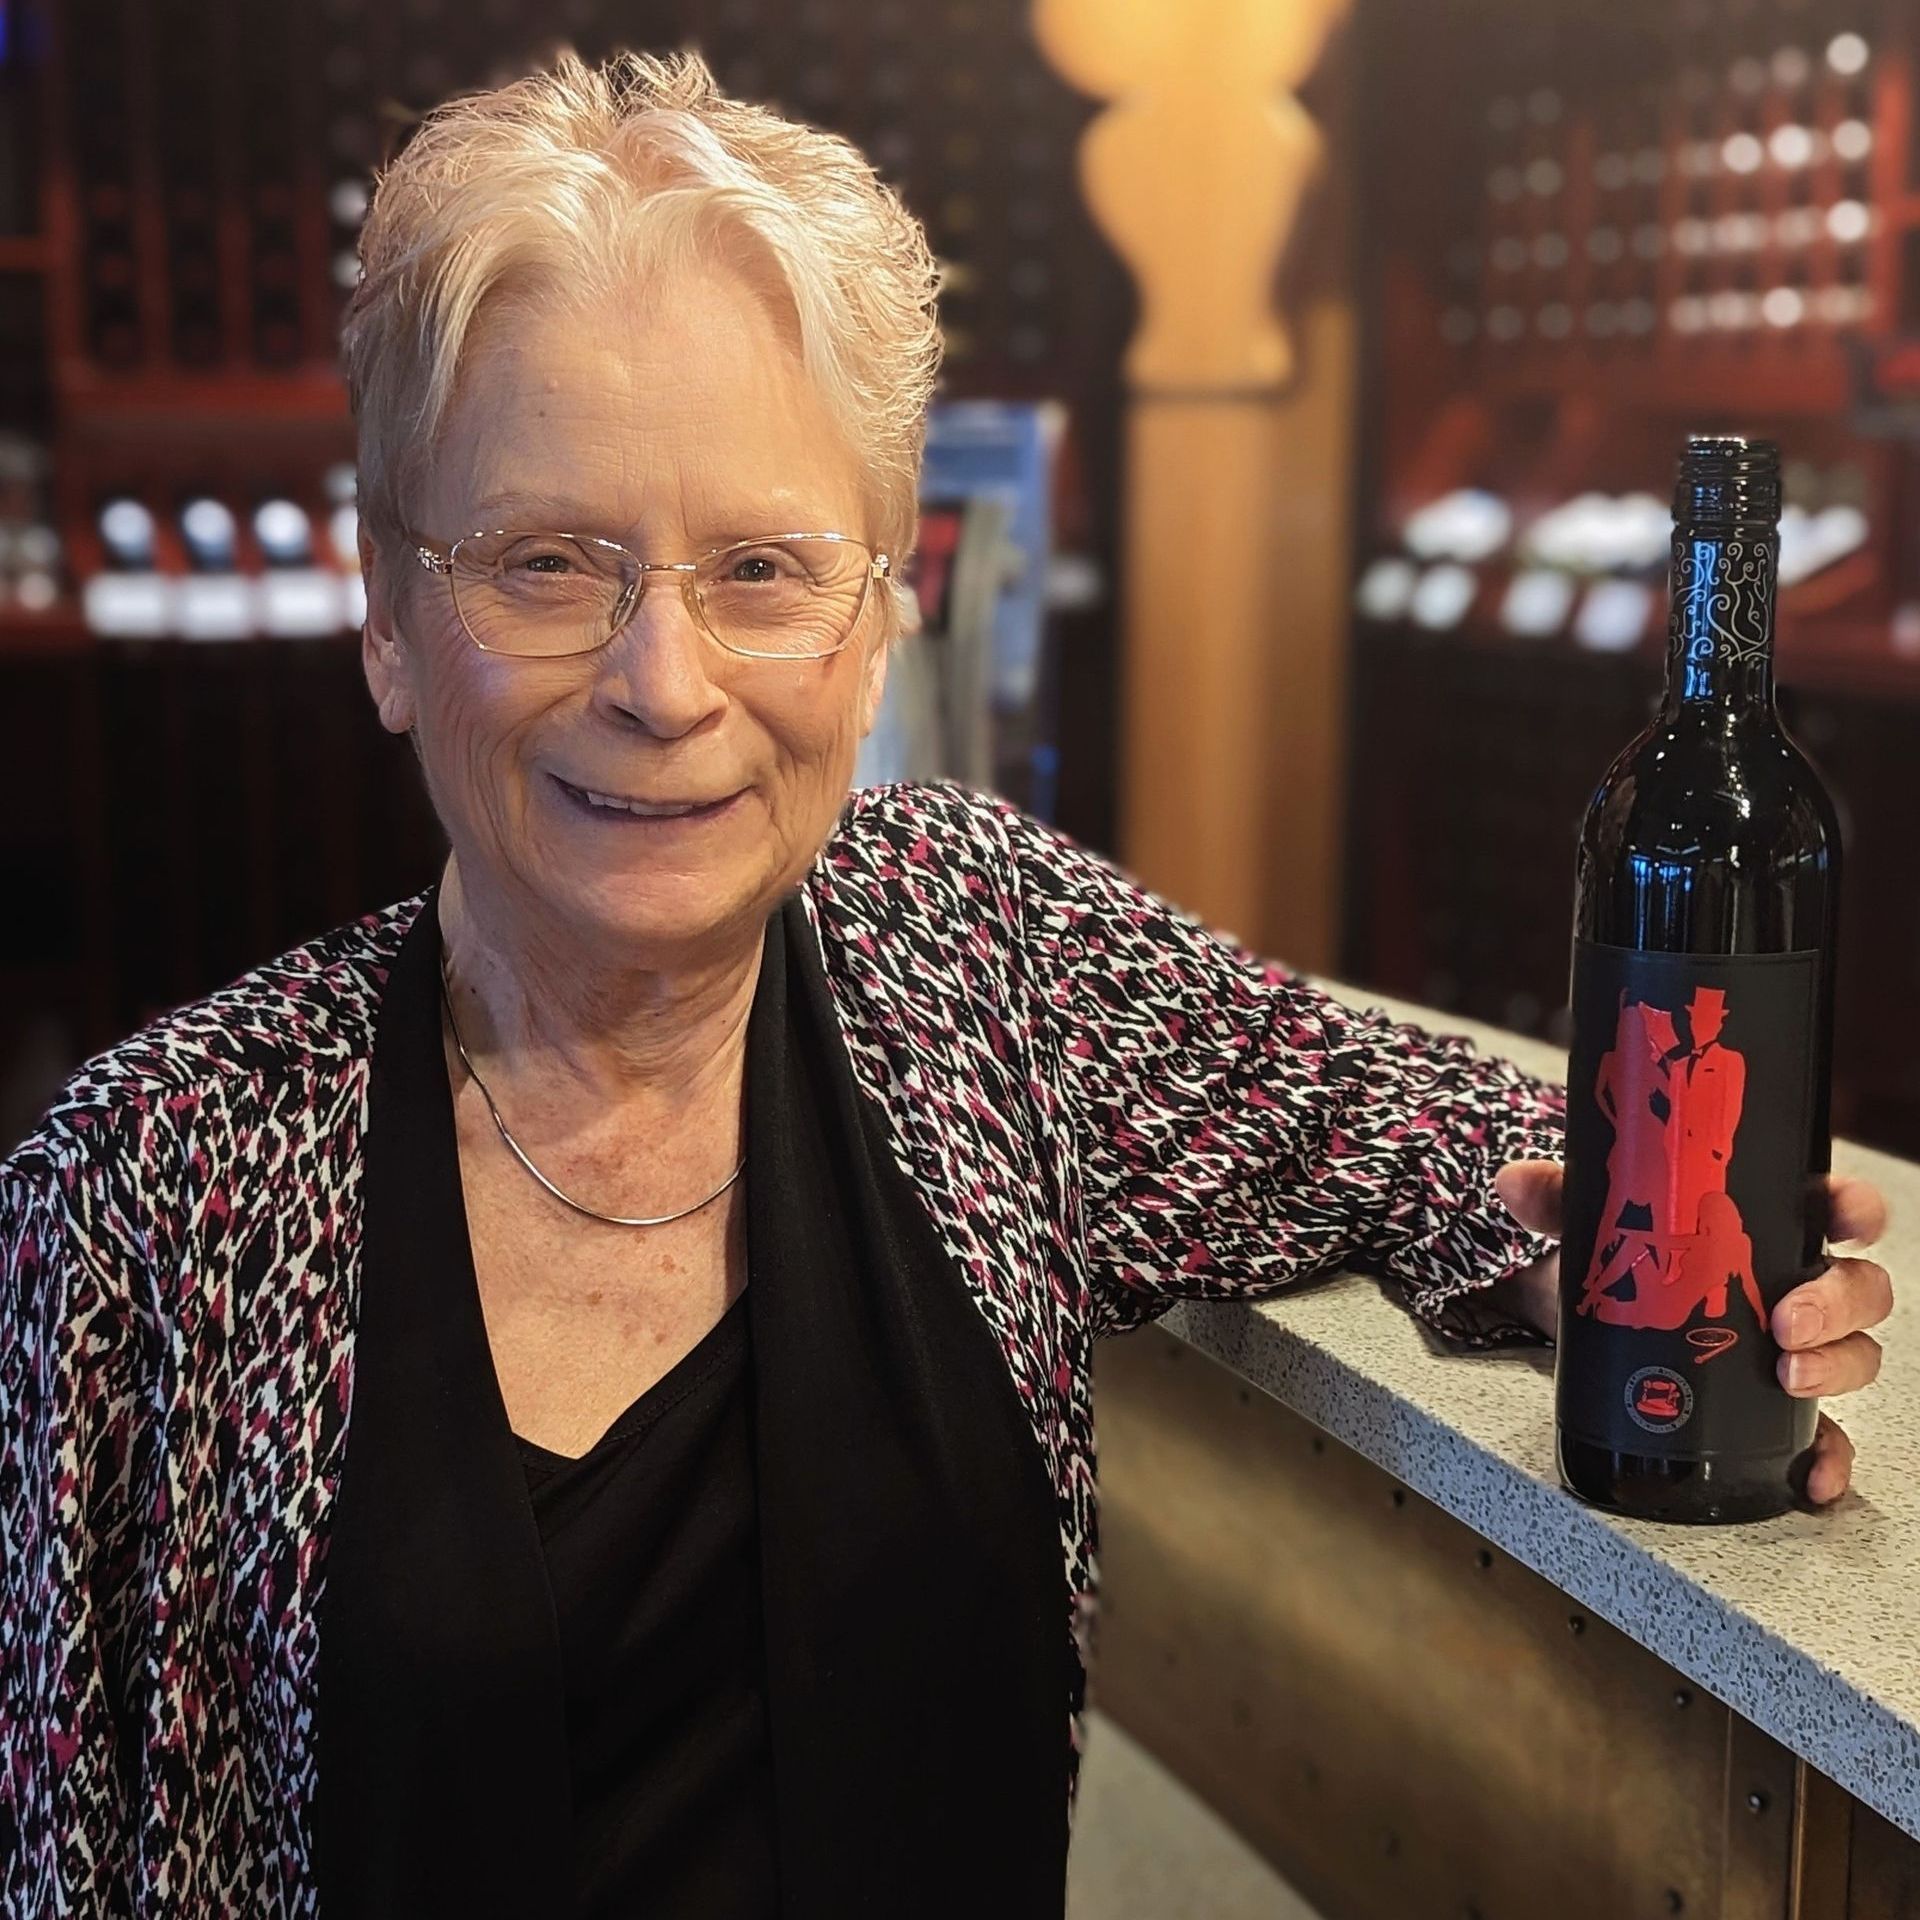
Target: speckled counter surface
{"x":1808,"y":1624}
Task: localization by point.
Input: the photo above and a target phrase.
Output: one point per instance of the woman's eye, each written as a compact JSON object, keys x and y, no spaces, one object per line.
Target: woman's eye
{"x":540,"y":562}
{"x":753,"y":570}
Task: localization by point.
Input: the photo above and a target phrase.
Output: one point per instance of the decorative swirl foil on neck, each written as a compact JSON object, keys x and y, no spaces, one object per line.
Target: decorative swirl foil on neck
{"x":1723,"y":594}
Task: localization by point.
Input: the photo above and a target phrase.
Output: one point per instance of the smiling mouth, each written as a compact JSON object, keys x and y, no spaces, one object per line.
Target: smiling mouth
{"x":618,"y":806}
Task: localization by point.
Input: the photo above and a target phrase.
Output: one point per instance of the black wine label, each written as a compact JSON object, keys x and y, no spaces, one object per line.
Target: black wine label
{"x":1691,"y":1197}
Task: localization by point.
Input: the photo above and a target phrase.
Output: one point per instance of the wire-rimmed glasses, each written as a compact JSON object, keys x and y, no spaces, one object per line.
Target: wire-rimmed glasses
{"x":537,"y":595}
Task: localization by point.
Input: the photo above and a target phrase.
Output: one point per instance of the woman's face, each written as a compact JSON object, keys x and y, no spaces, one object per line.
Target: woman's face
{"x":674,"y":423}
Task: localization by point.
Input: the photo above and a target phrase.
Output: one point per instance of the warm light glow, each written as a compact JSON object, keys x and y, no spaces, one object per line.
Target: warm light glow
{"x":348,"y":202}
{"x":1791,"y":66}
{"x":1847,"y":53}
{"x":1783,"y":307}
{"x":1852,"y":140}
{"x":1791,"y":146}
{"x":1849,"y":221}
{"x":1732,"y":311}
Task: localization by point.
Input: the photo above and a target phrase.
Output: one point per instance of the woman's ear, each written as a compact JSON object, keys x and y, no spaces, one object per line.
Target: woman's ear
{"x":385,"y":661}
{"x":874,"y":684}
{"x":899,"y":617}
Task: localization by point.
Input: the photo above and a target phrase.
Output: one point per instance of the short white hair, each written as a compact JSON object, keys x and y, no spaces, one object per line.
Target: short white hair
{"x":567,"y":182}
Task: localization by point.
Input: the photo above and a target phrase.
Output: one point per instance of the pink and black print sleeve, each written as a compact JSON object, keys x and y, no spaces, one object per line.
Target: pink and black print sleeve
{"x":1236,"y":1129}
{"x":77,"y":1493}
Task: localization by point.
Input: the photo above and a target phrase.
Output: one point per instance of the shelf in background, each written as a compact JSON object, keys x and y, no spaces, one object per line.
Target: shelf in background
{"x":62,"y":630}
{"x":1828,"y":655}
{"x":1808,"y":379}
{"x":23,"y":253}
{"x":218,"y":404}
{"x":25,"y":635}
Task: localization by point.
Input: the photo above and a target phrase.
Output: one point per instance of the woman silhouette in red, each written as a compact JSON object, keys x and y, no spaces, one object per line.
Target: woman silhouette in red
{"x":1675,"y":1109}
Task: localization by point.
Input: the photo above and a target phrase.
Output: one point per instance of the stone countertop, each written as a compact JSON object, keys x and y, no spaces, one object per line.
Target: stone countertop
{"x":1808,"y":1624}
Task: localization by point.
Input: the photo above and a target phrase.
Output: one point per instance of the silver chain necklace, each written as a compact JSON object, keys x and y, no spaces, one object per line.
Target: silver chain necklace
{"x":519,"y":1152}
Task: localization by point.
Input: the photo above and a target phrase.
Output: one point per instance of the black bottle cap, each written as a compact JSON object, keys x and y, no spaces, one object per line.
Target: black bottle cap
{"x":1727,"y":479}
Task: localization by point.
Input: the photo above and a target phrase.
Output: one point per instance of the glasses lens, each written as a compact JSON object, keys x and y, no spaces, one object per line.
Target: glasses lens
{"x":791,"y":599}
{"x":540,"y":593}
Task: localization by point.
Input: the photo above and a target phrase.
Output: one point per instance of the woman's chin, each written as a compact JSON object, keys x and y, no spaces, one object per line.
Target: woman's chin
{"x":646,"y":909}
{"x":672,"y":882}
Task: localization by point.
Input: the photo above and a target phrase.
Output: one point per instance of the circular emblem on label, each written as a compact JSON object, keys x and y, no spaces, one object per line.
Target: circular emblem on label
{"x":1659,"y":1399}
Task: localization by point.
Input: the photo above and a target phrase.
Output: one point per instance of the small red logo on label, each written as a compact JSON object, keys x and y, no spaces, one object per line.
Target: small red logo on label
{"x":1659,"y":1400}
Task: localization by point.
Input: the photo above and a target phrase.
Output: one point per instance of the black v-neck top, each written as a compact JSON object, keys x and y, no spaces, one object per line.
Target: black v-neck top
{"x":651,"y":1545}
{"x":511,"y":1703}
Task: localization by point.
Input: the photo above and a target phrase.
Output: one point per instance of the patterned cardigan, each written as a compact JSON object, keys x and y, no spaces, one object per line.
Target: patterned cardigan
{"x":1103,"y":1108}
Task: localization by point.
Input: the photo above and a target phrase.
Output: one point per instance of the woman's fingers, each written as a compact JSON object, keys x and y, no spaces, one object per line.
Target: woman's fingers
{"x":1832,"y":1470}
{"x":1838,"y":1367}
{"x":1531,"y":1191}
{"x":1856,"y":1211}
{"x":1849,"y":1296}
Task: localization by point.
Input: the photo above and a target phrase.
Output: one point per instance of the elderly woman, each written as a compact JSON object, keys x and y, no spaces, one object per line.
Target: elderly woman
{"x":573,"y":1391}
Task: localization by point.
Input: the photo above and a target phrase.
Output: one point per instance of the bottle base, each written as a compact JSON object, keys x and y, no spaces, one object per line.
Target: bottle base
{"x":1714,"y":1491}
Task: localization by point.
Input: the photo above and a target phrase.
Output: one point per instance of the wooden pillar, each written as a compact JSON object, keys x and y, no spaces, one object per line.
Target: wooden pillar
{"x":1238,"y":459}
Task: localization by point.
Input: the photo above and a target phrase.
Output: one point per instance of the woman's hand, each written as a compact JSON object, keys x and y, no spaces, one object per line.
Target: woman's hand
{"x":1821,"y":1325}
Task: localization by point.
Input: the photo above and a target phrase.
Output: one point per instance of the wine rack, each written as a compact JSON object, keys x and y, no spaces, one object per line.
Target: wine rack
{"x":1627,"y":224}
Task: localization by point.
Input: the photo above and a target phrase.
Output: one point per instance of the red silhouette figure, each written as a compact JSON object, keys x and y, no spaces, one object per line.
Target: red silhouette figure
{"x":1632,"y":1091}
{"x":1670,"y":1231}
{"x":1708,"y":1087}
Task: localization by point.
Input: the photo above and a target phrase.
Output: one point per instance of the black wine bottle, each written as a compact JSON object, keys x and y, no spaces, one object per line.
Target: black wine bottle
{"x":1698,"y":1085}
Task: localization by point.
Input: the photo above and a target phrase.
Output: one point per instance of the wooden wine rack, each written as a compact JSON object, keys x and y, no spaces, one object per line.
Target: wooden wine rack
{"x":1620,"y":225}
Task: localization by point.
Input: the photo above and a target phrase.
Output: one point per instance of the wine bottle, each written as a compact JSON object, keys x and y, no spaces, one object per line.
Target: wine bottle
{"x":1698,"y":1084}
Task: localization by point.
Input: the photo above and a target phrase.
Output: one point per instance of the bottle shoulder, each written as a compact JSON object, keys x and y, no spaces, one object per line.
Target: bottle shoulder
{"x":1692,"y":785}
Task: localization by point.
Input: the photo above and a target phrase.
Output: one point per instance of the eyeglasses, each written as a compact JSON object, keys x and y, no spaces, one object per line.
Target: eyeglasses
{"x":784,"y":596}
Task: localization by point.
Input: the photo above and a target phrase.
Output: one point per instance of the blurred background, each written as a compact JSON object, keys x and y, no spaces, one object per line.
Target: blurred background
{"x":1327,"y":625}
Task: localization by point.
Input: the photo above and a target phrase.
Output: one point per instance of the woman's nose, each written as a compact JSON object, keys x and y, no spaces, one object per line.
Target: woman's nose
{"x":658,"y":667}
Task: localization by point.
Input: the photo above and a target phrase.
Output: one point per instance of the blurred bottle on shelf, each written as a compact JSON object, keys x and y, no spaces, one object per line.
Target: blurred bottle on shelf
{"x":297,"y":599}
{"x":211,"y":601}
{"x":1590,"y":568}
{"x":129,"y":598}
{"x":342,"y":486}
{"x":286,"y":571}
{"x":29,"y":547}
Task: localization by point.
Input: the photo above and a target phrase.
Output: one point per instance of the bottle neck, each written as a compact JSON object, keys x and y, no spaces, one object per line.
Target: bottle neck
{"x":1720,"y":628}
